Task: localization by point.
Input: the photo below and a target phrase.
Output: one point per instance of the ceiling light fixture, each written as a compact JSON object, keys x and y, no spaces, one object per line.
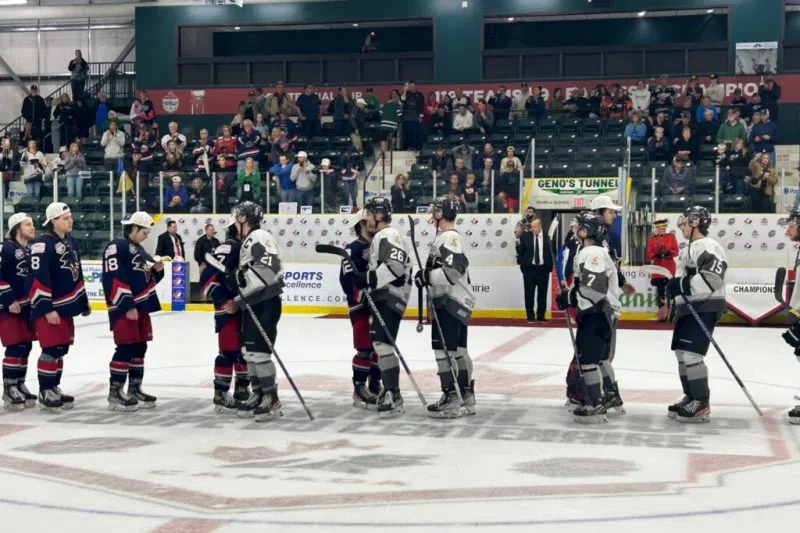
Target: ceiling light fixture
{"x":709,"y":10}
{"x":642,"y":13}
{"x":13,"y":2}
{"x":511,"y":19}
{"x":237,"y":28}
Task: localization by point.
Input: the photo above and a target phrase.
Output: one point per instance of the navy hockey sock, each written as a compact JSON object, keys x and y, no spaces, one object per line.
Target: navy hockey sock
{"x":48,"y":370}
{"x":15,"y":356}
{"x":240,"y":368}
{"x":136,"y":367}
{"x":223,"y":371}
{"x":362,"y":364}
{"x":120,"y":364}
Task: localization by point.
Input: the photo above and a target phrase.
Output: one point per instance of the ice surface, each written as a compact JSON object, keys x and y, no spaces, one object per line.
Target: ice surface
{"x":520,"y":465}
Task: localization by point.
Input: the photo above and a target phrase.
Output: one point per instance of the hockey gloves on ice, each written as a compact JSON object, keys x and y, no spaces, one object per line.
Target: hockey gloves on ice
{"x":678,"y":286}
{"x":365,"y":280}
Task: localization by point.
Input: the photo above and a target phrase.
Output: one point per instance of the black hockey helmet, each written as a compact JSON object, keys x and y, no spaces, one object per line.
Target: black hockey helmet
{"x":251,"y":211}
{"x":699,"y":213}
{"x":449,"y":208}
{"x":592,"y":223}
{"x":380,"y":205}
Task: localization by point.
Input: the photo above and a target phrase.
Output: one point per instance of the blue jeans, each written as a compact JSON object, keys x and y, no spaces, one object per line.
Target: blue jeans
{"x":288,"y":195}
{"x":33,"y":186}
{"x":305,"y":197}
{"x":351,"y":191}
{"x":74,"y":185}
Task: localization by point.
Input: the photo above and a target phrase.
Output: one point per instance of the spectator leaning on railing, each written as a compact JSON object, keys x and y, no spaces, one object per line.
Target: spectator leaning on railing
{"x":79,"y":72}
{"x":358,"y":123}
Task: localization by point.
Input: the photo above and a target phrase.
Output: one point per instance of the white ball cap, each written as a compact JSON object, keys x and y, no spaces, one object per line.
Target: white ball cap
{"x":140,"y":218}
{"x":604,"y":202}
{"x":55,"y":210}
{"x":302,"y":154}
{"x":15,"y":220}
{"x":325,"y":162}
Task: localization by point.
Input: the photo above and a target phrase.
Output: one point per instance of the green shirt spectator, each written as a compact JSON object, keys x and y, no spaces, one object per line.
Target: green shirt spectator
{"x":731,"y":129}
{"x":248,"y":182}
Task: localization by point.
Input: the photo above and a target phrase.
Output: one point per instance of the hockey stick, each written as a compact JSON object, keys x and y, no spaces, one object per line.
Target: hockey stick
{"x":341,"y":252}
{"x":212,"y":261}
{"x":419,"y":310}
{"x":780,"y":279}
{"x":434,"y":316}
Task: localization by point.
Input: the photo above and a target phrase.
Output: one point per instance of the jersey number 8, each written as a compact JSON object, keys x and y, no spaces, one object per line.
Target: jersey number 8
{"x":35,"y":262}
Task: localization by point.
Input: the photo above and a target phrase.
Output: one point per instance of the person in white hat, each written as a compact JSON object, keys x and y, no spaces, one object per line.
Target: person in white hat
{"x":176,"y":198}
{"x":57,"y":294}
{"x":130,"y":276}
{"x":305,"y":178}
{"x":327,"y":176}
{"x":16,"y":333}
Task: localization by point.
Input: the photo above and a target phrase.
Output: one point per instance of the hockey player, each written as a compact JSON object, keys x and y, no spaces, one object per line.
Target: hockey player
{"x":389,"y":280}
{"x":446,"y":276}
{"x":260,"y":283}
{"x":595,"y":295}
{"x":129,"y":283}
{"x":221,"y":290}
{"x":701,"y":279}
{"x":56,"y":291}
{"x":365,"y":361}
{"x":16,"y":333}
{"x":792,"y":335}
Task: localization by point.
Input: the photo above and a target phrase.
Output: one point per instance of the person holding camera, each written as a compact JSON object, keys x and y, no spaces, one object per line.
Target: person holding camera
{"x":305,"y":179}
{"x":32,"y":164}
{"x":662,"y":249}
{"x":761,"y":183}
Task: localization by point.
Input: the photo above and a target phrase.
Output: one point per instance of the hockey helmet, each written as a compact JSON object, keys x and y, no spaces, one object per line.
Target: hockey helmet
{"x":696,"y":212}
{"x":794,"y":216}
{"x":251,"y":211}
{"x":379,"y":205}
{"x":449,"y":208}
{"x":592,"y":223}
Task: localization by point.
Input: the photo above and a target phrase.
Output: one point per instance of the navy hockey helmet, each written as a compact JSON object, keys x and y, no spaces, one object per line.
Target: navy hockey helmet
{"x":592,"y":223}
{"x":699,"y":213}
{"x":251,"y":211}
{"x":379,"y":205}
{"x":449,"y":208}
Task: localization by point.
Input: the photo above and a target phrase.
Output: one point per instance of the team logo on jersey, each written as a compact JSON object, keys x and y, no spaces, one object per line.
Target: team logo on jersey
{"x":731,"y":221}
{"x":111,"y":250}
{"x":19,"y":253}
{"x":755,"y":233}
{"x":60,"y":248}
{"x":721,"y":233}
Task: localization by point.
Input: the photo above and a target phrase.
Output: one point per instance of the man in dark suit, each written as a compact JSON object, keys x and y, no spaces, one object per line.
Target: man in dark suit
{"x":533,"y":257}
{"x":170,"y":243}
{"x":205,"y":244}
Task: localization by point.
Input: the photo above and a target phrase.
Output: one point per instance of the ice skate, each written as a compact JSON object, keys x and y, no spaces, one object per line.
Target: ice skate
{"x":590,"y":414}
{"x":572,"y":403}
{"x":613,"y":404}
{"x":694,"y":412}
{"x":30,"y":398}
{"x":374,"y":386}
{"x":247,"y":407}
{"x":67,"y":401}
{"x":448,"y":406}
{"x":50,"y":401}
{"x":468,"y":395}
{"x":224,"y":402}
{"x":672,"y":410}
{"x":390,"y":404}
{"x":119,"y":401}
{"x":363,"y":398}
{"x":13,"y":400}
{"x":241,"y":393}
{"x":269,"y":407}
{"x":146,"y":400}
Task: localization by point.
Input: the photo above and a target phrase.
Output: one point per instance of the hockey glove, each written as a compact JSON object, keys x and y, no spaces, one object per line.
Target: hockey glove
{"x":562,"y":300}
{"x":422,"y":278}
{"x":241,"y":281}
{"x":678,"y":286}
{"x":792,"y":336}
{"x":365,"y":280}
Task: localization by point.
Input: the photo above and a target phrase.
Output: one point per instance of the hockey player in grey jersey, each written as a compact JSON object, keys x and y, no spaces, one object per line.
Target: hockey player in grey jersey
{"x":700,"y":277}
{"x":258,"y":277}
{"x":792,"y":335}
{"x":446,"y":277}
{"x":595,"y":294}
{"x":388,"y":278}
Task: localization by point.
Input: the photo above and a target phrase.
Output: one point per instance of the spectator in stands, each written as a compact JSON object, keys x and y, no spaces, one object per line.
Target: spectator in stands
{"x":281,"y":148}
{"x":203,"y":152}
{"x":510,"y":157}
{"x":304,"y":176}
{"x":56,"y":166}
{"x":112,"y":117}
{"x":283,"y":170}
{"x":328,"y":183}
{"x":535,"y":107}
{"x":501,"y":104}
{"x":605,"y":100}
{"x":594,"y":104}
{"x":174,"y":135}
{"x":238,"y":118}
{"x":279,"y":101}
{"x":460,"y":99}
{"x":463,"y":121}
{"x":441,"y":160}
{"x":402,"y":200}
{"x":34,"y":110}
{"x":694,"y":92}
{"x":101,"y":110}
{"x":764,"y":136}
{"x":249,"y":112}
{"x":431,"y":107}
{"x":506,"y":191}
{"x":488,"y":153}
{"x":143,"y":151}
{"x":79,"y":73}
{"x":32,"y":162}
{"x":348,"y":175}
{"x":640,"y":98}
{"x":466,"y":153}
{"x":173,"y":159}
{"x":676,"y":179}
{"x":249,"y":145}
{"x":262,"y":127}
{"x":658,"y":146}
{"x":228,"y":146}
{"x":704,"y":106}
{"x":142,"y":109}
{"x":66,"y":119}
{"x":487,"y":172}
{"x":8,"y":161}
{"x":308,"y":106}
{"x":733,"y":166}
{"x":358,"y":123}
{"x":391,"y":115}
{"x":373,"y":108}
{"x":483,"y":118}
{"x":74,"y":164}
{"x":260,"y":104}
{"x":519,"y":101}
{"x":83,"y":120}
{"x":741,"y":104}
{"x":715,"y":90}
{"x":440,"y":122}
{"x":659,"y":120}
{"x":26,"y":134}
{"x":731,"y":129}
{"x":664,"y":96}
{"x":761,"y":181}
{"x":285,"y":124}
{"x":413,"y":103}
{"x":707,"y":128}
{"x":113,"y":143}
{"x":456,"y":191}
{"x":685,"y":121}
{"x":556,"y":101}
{"x":571,"y":103}
{"x":756,"y":104}
{"x":176,"y":197}
{"x":248,"y":182}
{"x":199,"y":197}
{"x":206,"y":244}
{"x":770,"y":92}
{"x":471,"y":194}
{"x":636,"y":130}
{"x":685,"y":147}
{"x":340,"y":108}
{"x":621,"y":104}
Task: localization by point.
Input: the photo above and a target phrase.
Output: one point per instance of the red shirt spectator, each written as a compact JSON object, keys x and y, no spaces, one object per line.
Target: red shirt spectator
{"x":431,"y":106}
{"x":227,"y":146}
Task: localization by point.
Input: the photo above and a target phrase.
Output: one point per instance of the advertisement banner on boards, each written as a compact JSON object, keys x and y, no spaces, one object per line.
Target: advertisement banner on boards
{"x":571,"y":193}
{"x":750,"y":293}
{"x":93,"y":281}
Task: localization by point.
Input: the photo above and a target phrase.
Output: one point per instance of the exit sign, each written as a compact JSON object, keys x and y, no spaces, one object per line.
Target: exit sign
{"x":579,"y":203}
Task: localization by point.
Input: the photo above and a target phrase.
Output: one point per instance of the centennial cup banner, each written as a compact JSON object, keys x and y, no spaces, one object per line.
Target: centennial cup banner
{"x":571,"y":193}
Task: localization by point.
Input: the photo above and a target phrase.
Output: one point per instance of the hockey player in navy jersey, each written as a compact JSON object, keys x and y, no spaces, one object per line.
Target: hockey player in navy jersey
{"x":16,"y":332}
{"x":221,"y":290}
{"x":57,"y":294}
{"x":365,"y":361}
{"x":130,"y":276}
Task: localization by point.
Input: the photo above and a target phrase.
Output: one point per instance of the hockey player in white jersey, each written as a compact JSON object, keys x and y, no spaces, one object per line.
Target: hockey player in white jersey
{"x":260,"y":282}
{"x":792,"y":335}
{"x":388,"y":279}
{"x":446,"y":277}
{"x":700,"y":278}
{"x":595,"y":294}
